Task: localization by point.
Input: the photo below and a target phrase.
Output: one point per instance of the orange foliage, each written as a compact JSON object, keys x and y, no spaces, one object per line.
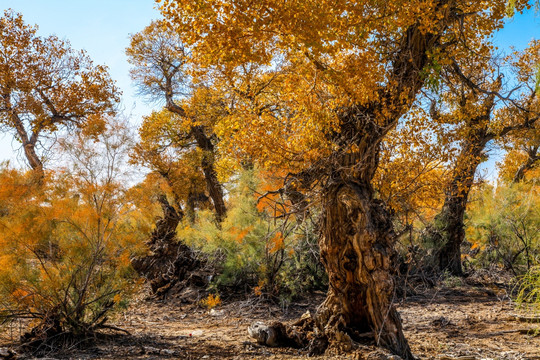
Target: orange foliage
{"x":65,"y":243}
{"x":288,"y":65}
{"x":47,"y":86}
{"x":276,"y":243}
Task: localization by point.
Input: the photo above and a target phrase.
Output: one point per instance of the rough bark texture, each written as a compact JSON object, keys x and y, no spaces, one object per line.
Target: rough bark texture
{"x":447,"y":231}
{"x":170,"y":264}
{"x":357,"y":237}
{"x":357,"y":242}
{"x":357,"y":251}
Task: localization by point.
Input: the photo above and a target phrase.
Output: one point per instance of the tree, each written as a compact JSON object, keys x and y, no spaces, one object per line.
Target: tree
{"x":502,"y":226}
{"x":523,"y":146}
{"x":173,"y":158}
{"x":159,"y":61}
{"x":46,"y":86}
{"x":345,"y":73}
{"x":533,"y":156}
{"x":178,"y":185}
{"x":470,"y":100}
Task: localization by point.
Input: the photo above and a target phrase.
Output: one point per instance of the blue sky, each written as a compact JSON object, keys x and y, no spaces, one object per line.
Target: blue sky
{"x":102,"y":28}
{"x":517,"y":33}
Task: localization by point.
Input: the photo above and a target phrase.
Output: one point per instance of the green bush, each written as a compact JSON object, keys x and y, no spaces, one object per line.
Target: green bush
{"x":252,"y":248}
{"x":503,"y":227}
{"x":528,"y":290}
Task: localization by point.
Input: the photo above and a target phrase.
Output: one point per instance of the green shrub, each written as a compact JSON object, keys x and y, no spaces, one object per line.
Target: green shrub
{"x":503,"y":227}
{"x":252,"y":248}
{"x":528,"y":290}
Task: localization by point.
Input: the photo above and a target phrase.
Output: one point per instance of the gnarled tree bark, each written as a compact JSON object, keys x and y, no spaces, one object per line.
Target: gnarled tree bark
{"x":170,"y":261}
{"x":357,"y":251}
{"x":357,"y":242}
{"x":357,"y":237}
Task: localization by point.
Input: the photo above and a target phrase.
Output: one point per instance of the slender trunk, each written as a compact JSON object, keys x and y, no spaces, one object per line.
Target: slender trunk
{"x":215,"y":190}
{"x":447,"y":231}
{"x":29,"y":146}
{"x":190,"y":207}
{"x":204,"y":143}
{"x":450,"y":229}
{"x":32,"y":157}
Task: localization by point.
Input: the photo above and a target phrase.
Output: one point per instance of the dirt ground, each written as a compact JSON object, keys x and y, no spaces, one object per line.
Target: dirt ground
{"x":464,"y":323}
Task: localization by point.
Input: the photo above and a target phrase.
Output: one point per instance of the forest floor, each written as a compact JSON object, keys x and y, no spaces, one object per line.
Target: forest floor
{"x":463,"y":322}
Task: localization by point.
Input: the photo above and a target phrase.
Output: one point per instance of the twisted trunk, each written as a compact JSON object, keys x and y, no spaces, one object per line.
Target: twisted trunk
{"x":170,"y":262}
{"x":357,"y":237}
{"x":357,"y":249}
{"x":357,"y":242}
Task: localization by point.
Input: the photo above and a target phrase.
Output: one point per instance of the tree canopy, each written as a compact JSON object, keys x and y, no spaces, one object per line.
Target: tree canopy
{"x":46,"y":86}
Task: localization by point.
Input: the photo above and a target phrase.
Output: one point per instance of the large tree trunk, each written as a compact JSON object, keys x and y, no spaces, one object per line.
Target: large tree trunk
{"x":357,"y":242}
{"x":357,"y":245}
{"x":357,"y":249}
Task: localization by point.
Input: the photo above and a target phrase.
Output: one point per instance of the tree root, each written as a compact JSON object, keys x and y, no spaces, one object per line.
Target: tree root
{"x":304,"y":334}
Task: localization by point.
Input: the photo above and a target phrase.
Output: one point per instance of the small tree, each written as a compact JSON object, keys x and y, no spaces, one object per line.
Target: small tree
{"x":475,"y":116}
{"x":160,"y":61}
{"x":503,"y":226}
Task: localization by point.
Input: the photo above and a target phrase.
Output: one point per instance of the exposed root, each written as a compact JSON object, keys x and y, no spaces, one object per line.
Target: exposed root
{"x":171,"y":266}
